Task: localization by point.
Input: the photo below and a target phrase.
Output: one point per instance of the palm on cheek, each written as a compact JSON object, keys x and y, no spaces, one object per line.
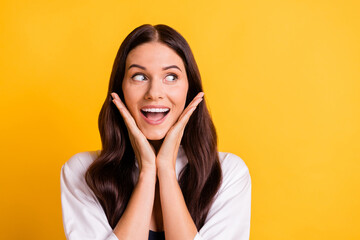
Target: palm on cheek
{"x":144,"y":151}
{"x":166,"y":157}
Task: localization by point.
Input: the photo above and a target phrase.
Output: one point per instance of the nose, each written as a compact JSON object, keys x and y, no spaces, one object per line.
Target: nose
{"x":155,"y":90}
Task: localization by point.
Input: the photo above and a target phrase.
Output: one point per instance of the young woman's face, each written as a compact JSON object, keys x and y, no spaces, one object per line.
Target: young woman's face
{"x":155,"y":86}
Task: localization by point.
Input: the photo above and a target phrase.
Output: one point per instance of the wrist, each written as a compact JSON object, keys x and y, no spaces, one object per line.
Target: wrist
{"x":147,"y":167}
{"x":148,"y":173}
{"x":165,"y":172}
{"x":164,"y":166}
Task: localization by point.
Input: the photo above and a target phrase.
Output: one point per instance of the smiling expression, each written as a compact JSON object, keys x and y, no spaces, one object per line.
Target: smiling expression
{"x":155,"y":87}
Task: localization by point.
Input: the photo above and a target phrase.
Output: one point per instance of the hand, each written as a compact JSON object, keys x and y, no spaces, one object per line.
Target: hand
{"x":166,"y":157}
{"x":144,"y":151}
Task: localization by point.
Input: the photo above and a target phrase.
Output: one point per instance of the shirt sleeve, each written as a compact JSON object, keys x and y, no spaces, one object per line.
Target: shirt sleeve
{"x":83,"y":216}
{"x":229,"y":216}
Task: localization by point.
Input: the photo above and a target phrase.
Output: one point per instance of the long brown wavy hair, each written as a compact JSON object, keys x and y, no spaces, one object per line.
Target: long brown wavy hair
{"x":110,"y":176}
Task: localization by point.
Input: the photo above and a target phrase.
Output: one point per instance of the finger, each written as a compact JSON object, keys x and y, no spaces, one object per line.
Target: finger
{"x":128,"y":119}
{"x":122,"y":108}
{"x":193,"y":104}
{"x":185,"y":118}
{"x":119,"y":104}
{"x":198,"y":96}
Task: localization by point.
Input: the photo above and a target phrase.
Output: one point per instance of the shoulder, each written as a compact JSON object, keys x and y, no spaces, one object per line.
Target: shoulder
{"x":232,"y":164}
{"x":78,"y":164}
{"x":234,"y":169}
{"x":72,"y":177}
{"x":81,"y":209}
{"x":229,"y":214}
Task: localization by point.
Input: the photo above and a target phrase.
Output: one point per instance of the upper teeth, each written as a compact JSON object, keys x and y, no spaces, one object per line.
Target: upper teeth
{"x":155,"y":109}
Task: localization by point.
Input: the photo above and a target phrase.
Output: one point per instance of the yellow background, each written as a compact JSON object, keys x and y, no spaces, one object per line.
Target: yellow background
{"x":281,"y":79}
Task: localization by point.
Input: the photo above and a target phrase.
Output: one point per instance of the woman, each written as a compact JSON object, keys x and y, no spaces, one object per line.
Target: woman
{"x":159,"y":174}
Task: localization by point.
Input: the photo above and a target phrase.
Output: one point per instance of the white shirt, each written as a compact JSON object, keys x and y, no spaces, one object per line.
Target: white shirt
{"x":228,"y":217}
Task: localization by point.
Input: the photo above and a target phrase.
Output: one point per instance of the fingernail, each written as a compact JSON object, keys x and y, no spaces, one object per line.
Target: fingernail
{"x":201,"y":94}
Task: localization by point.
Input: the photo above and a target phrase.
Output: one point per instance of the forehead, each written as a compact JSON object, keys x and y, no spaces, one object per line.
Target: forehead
{"x":154,"y":55}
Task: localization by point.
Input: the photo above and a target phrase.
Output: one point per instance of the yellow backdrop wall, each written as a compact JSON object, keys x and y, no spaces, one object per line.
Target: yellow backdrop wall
{"x":281,"y":79}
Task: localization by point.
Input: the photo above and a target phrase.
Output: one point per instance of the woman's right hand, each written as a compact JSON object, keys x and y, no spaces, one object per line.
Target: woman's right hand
{"x":144,"y":151}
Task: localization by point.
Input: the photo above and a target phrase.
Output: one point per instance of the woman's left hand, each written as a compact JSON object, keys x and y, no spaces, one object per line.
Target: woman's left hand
{"x":166,"y":157}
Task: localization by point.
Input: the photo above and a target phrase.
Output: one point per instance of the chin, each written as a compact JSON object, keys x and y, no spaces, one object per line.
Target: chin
{"x":155,"y":135}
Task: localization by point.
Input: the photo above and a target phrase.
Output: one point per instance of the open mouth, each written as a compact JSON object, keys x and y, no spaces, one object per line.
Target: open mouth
{"x":154,"y":115}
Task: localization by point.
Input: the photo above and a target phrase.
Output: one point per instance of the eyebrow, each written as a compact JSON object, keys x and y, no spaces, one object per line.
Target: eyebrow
{"x":164,"y":68}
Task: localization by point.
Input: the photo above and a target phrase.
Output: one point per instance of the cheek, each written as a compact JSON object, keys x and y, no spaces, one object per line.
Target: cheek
{"x":131,"y":100}
{"x":178,"y":98}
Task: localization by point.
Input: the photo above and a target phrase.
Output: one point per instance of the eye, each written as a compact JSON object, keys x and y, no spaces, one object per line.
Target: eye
{"x":138,"y":77}
{"x":171,"y":77}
